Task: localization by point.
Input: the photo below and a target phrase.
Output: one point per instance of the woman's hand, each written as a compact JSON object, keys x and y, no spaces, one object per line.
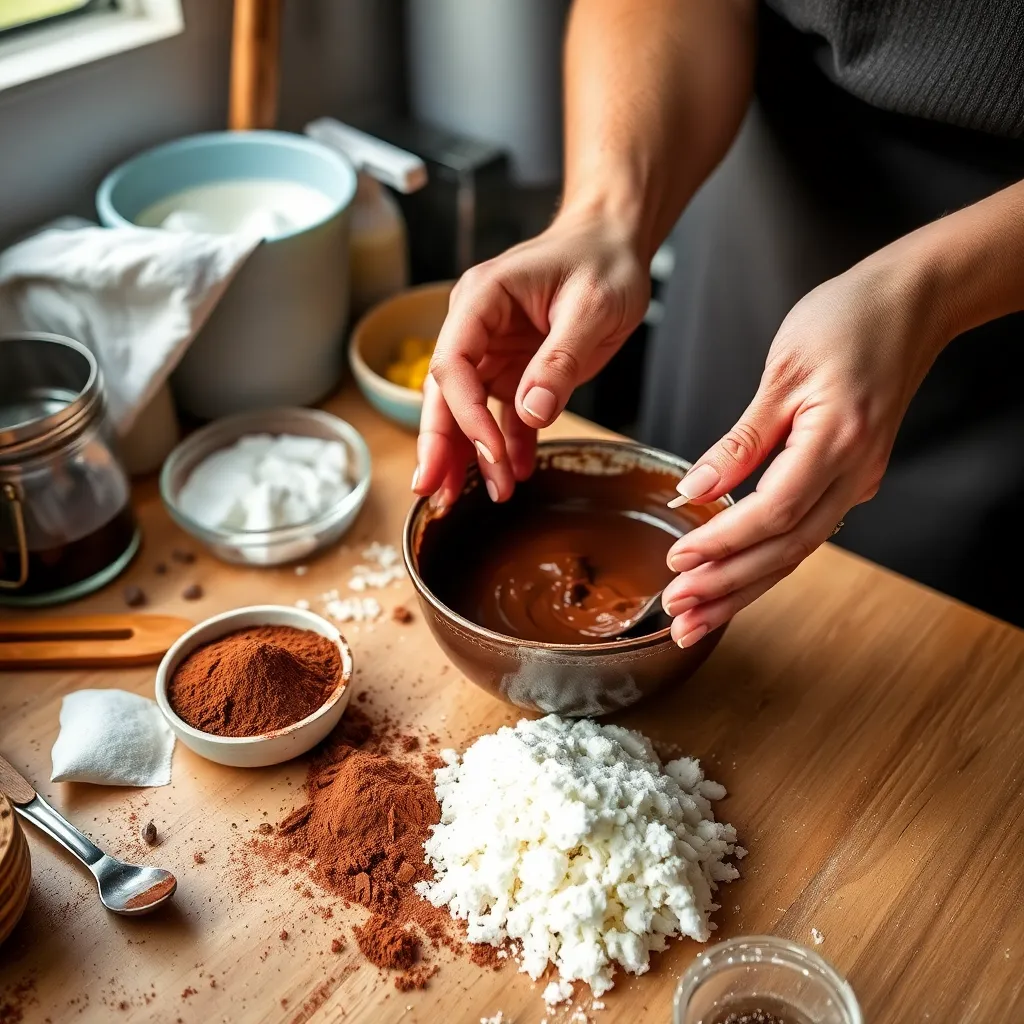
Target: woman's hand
{"x":524,"y":329}
{"x":837,"y":382}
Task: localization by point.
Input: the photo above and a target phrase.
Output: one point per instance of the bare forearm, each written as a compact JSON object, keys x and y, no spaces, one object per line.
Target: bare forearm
{"x":654,"y":96}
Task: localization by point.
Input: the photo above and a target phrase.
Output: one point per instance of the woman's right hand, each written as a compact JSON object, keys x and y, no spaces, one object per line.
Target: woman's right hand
{"x":524,"y":329}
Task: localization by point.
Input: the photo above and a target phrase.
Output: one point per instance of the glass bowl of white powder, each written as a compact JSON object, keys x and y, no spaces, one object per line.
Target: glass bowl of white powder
{"x":268,"y":487}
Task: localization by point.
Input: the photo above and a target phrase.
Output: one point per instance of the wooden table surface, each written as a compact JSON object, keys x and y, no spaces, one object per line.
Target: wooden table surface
{"x":870,"y":732}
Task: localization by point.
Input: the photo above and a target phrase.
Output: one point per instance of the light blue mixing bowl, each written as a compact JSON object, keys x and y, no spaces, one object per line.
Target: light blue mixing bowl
{"x":277,"y":335}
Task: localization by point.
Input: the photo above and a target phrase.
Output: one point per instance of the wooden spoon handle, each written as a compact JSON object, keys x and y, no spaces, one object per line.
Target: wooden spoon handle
{"x":255,"y":64}
{"x":14,"y":785}
{"x":87,"y":641}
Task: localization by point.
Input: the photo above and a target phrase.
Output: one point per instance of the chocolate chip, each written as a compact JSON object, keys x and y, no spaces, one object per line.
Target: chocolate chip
{"x":160,"y":568}
{"x":401,"y":614}
{"x":134,"y":596}
{"x":192,"y":592}
{"x":266,"y":828}
{"x":149,"y":836}
{"x":183,"y":557}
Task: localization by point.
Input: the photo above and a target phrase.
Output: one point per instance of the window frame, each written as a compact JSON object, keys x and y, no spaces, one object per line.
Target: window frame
{"x":41,"y":49}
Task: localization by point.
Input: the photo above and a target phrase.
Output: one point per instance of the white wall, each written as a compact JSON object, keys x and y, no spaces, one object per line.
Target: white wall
{"x":59,"y":136}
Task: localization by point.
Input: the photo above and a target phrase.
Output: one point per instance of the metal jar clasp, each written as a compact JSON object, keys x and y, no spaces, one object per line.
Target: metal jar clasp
{"x":17,"y":514}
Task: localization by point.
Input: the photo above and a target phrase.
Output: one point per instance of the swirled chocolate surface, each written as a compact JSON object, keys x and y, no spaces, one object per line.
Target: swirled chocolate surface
{"x":559,"y":575}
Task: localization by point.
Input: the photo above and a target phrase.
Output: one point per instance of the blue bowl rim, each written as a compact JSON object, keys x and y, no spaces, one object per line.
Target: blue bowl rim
{"x":202,"y":140}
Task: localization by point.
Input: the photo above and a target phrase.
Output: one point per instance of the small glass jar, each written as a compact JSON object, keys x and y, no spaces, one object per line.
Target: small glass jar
{"x":765,"y":973}
{"x":66,"y":523}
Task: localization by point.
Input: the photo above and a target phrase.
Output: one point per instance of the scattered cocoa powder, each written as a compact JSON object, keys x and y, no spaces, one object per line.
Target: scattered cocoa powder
{"x":416,"y":977}
{"x":410,"y":743}
{"x":386,"y":945}
{"x":255,"y":681}
{"x":360,"y":835}
{"x":15,"y":1000}
{"x":265,"y":828}
{"x":199,"y":857}
{"x":485,"y":955}
{"x":337,"y":945}
{"x":183,"y":557}
{"x":284,"y":935}
{"x":188,"y":992}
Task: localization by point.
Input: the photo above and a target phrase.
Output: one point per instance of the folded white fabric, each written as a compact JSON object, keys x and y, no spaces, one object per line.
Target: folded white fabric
{"x":113,"y":738}
{"x":136,"y":297}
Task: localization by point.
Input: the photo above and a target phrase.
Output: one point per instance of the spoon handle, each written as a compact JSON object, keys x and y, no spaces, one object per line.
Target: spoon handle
{"x":55,"y":825}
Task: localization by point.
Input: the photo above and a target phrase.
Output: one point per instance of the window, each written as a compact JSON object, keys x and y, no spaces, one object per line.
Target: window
{"x":21,"y":14}
{"x":42,"y":37}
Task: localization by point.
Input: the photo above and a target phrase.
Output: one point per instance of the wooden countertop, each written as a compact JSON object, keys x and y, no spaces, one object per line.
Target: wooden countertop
{"x":870,"y":732}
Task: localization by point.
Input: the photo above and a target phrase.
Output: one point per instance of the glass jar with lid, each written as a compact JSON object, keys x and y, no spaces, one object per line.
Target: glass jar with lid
{"x":66,"y":523}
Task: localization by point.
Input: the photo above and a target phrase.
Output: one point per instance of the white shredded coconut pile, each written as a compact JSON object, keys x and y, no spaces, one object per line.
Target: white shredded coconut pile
{"x":571,"y":839}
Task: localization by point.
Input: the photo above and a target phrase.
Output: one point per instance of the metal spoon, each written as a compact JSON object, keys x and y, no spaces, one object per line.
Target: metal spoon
{"x":650,"y":609}
{"x":124,"y":888}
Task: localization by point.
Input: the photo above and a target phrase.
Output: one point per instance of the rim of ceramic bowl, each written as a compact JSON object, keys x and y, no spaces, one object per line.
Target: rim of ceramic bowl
{"x":174,"y":657}
{"x":201,"y":140}
{"x":359,"y":365}
{"x":666,"y":459}
{"x":284,"y":534}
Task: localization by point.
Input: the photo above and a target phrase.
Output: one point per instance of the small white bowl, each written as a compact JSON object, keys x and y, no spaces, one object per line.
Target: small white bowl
{"x":273,"y":748}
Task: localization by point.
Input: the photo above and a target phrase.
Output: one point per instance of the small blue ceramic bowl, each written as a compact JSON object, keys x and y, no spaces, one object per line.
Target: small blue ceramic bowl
{"x":276,"y":337}
{"x":417,"y":312}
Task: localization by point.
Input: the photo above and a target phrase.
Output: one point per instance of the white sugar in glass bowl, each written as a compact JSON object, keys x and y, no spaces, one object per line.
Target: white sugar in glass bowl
{"x":282,"y":744}
{"x":282,"y":544}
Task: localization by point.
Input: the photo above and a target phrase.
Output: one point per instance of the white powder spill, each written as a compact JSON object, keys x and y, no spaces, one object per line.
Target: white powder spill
{"x":573,"y":840}
{"x":383,"y":567}
{"x":557,"y":992}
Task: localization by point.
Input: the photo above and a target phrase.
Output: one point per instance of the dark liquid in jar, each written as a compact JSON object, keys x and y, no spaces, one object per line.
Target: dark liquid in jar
{"x":64,"y":565}
{"x":759,"y":1011}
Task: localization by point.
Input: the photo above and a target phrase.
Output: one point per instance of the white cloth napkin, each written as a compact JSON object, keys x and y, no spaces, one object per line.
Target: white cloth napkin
{"x":136,"y":297}
{"x":113,"y":738}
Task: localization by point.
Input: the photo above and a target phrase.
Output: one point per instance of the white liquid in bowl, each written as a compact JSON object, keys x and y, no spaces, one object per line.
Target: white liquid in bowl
{"x":257,"y":206}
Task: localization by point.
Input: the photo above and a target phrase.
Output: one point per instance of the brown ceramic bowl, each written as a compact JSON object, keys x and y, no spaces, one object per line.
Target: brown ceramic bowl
{"x":565,"y":679}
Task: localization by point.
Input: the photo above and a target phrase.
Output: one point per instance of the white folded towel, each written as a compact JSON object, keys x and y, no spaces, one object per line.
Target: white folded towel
{"x":136,"y":297}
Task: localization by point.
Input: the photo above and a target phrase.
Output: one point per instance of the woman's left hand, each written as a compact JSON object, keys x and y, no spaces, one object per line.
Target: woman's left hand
{"x":837,"y":382}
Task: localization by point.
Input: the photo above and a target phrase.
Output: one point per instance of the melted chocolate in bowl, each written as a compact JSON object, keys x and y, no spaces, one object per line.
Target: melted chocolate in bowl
{"x":527,"y":598}
{"x":558,"y":574}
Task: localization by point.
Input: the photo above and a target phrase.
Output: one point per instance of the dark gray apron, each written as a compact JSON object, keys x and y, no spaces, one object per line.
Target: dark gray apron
{"x":816,"y":181}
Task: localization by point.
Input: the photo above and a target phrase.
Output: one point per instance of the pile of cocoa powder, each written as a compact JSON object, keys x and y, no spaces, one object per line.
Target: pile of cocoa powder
{"x":255,"y":681}
{"x":360,"y":836}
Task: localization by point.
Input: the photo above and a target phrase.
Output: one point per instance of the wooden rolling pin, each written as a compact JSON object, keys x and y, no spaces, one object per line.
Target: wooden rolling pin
{"x":87,"y":641}
{"x":255,"y":58}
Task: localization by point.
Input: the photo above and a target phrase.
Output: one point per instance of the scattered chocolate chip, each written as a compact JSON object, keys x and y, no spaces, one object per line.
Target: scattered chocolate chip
{"x":198,"y":857}
{"x":284,"y":935}
{"x":401,"y":614}
{"x":149,"y":836}
{"x":160,"y":568}
{"x":266,"y":828}
{"x":183,"y":557}
{"x":134,"y":596}
{"x":192,"y":592}
{"x":337,"y":945}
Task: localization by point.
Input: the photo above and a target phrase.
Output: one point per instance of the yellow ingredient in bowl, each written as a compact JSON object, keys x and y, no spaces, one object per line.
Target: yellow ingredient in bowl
{"x":411,"y":367}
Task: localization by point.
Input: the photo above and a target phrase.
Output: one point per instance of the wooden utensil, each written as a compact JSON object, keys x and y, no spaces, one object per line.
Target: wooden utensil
{"x":255,"y":54}
{"x":15,"y":869}
{"x":87,"y":641}
{"x":127,"y":889}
